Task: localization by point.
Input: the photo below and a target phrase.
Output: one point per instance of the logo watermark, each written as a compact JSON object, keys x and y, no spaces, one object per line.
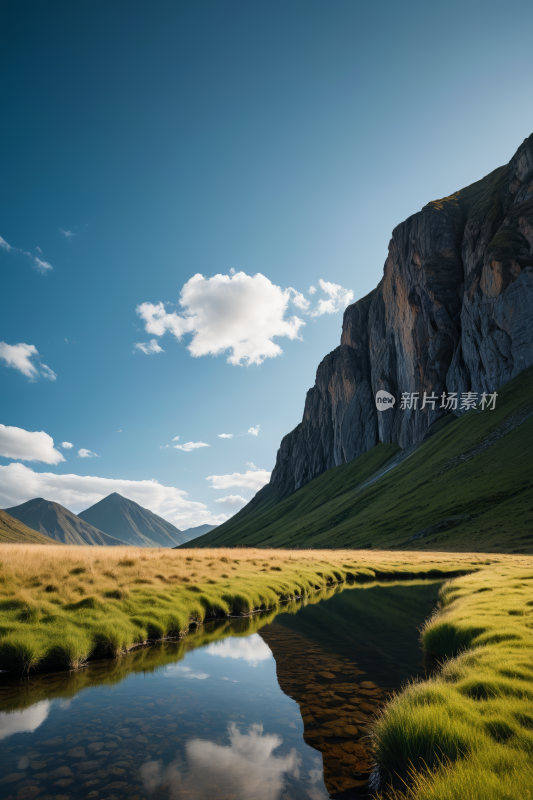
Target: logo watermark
{"x":384,"y":400}
{"x":449,"y":401}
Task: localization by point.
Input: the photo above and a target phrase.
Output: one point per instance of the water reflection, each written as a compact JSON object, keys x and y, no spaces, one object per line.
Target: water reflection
{"x":23,"y":721}
{"x":205,"y":717}
{"x":252,"y":649}
{"x":246,"y":768}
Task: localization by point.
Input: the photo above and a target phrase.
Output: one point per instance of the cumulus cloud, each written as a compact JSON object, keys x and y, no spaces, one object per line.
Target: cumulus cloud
{"x":175,"y":439}
{"x":67,"y":445}
{"x":19,"y":357}
{"x":236,"y":313}
{"x":188,"y":446}
{"x":28,"y":445}
{"x":67,"y":234}
{"x":254,"y":431}
{"x":234,"y":501}
{"x":19,"y":483}
{"x":225,"y":436}
{"x":86,"y":454}
{"x":251,"y":479}
{"x":149,"y":347}
{"x":42,"y":266}
{"x":337,"y":299}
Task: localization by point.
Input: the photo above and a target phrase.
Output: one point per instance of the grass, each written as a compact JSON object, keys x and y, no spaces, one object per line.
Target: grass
{"x":476,"y":470}
{"x":63,"y":605}
{"x":468,"y":730}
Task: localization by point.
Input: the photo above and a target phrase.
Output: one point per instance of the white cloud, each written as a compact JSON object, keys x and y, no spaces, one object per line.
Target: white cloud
{"x":19,"y":356}
{"x":48,"y":373}
{"x":86,"y":454}
{"x":225,"y":436}
{"x":175,"y":439}
{"x":28,"y":445}
{"x":42,"y":266}
{"x":298,"y":300}
{"x":239,"y":313}
{"x":252,"y":649}
{"x":149,"y":347}
{"x":19,"y":483}
{"x":254,"y":431}
{"x":338,"y":299}
{"x":67,"y":234}
{"x":188,"y":446}
{"x":67,"y":445}
{"x":311,"y":290}
{"x":232,"y":501}
{"x":253,"y":480}
{"x":163,"y":446}
{"x":120,"y":431}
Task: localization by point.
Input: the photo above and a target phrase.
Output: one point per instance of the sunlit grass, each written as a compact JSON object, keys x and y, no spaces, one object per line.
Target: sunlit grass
{"x":468,"y":731}
{"x":61,"y":605}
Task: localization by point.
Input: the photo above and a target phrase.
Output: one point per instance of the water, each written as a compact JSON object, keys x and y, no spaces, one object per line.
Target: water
{"x":270,"y":707}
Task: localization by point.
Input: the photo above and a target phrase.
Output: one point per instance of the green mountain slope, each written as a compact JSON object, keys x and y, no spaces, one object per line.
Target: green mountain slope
{"x":467,"y":487}
{"x":12,"y":530}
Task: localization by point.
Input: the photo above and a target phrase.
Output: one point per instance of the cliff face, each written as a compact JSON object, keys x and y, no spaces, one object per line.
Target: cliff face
{"x":452,"y":313}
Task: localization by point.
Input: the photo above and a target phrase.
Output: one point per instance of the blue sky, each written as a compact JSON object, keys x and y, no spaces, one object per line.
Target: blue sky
{"x":286,"y":138}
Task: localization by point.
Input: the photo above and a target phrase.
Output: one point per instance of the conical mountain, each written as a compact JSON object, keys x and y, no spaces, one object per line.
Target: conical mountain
{"x":57,"y":522}
{"x":133,"y":524}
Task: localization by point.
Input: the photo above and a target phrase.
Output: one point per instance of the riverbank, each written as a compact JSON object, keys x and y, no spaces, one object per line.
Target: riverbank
{"x":468,"y":731}
{"x":64,"y":605}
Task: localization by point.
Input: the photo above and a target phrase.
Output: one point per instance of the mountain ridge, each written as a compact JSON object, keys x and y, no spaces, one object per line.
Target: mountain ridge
{"x":60,"y":524}
{"x":134,"y":525}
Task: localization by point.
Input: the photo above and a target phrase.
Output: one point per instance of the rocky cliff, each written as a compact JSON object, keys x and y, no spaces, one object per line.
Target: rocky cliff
{"x":452,"y":313}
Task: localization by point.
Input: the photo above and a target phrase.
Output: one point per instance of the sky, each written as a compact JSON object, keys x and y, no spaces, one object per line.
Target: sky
{"x":192,"y":192}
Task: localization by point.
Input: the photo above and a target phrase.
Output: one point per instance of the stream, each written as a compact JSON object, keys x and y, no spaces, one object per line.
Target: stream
{"x":275,"y":706}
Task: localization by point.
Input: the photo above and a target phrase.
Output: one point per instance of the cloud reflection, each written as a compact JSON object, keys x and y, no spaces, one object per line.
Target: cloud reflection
{"x":252,"y":649}
{"x":184,"y":672}
{"x":25,"y":721}
{"x":246,"y":768}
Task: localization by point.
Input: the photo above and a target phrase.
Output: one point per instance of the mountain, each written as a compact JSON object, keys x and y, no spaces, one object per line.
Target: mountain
{"x":453,"y":313}
{"x":466,"y":487}
{"x":192,"y":533}
{"x":132,"y":524}
{"x":57,"y":522}
{"x":12,"y":530}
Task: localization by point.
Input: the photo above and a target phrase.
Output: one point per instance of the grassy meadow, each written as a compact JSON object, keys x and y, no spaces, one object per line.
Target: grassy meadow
{"x":62,"y":605}
{"x":466,"y":732}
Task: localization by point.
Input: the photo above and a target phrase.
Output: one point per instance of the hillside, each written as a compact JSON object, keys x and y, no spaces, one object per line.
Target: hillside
{"x":466,"y":487}
{"x":131,"y":523}
{"x":12,"y":530}
{"x":199,"y":530}
{"x":57,"y":522}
